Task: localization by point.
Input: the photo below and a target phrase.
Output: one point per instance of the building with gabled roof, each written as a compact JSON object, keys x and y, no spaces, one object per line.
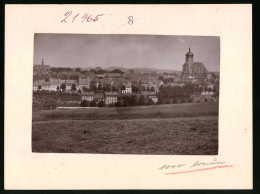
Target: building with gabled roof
{"x":111,"y":97}
{"x":191,"y":69}
{"x":89,"y":96}
{"x":99,"y":96}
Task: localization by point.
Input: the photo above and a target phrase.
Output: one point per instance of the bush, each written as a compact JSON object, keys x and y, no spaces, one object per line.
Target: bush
{"x":150,"y":102}
{"x":118,"y":104}
{"x":84,"y":103}
{"x":174,"y":101}
{"x":92,"y":103}
{"x":101,"y":103}
{"x":49,"y":104}
{"x":141,"y":101}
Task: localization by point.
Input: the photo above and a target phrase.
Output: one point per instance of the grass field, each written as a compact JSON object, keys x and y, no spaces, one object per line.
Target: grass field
{"x":146,"y":136}
{"x":181,"y":129}
{"x":138,"y":112}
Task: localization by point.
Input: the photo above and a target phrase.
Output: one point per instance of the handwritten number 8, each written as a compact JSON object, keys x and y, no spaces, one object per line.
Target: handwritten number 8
{"x":130,"y":20}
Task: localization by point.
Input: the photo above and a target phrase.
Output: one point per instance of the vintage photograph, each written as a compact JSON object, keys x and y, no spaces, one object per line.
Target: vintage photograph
{"x":125,"y":94}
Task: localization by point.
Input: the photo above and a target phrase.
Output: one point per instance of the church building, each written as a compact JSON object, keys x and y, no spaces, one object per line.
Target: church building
{"x":193,"y":70}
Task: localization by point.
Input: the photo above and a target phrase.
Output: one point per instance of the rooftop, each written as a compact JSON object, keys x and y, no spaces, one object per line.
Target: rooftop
{"x":87,"y":93}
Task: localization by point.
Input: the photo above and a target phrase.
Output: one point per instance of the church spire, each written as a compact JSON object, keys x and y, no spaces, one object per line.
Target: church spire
{"x":189,"y":53}
{"x":42,"y":62}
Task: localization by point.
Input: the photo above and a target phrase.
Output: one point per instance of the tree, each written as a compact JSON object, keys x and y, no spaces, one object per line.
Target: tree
{"x":78,"y":70}
{"x":84,"y":103}
{"x":101,"y":103}
{"x":133,"y":100}
{"x":92,"y":103}
{"x":100,"y":86}
{"x":123,"y":87}
{"x":117,"y":71}
{"x":118,"y":104}
{"x":144,"y":88}
{"x":210,"y":90}
{"x":39,"y":87}
{"x":63,"y":87}
{"x":150,"y":102}
{"x":141,"y":101}
{"x":214,"y":89}
{"x":161,"y":77}
{"x":152,"y":89}
{"x":182,"y":101}
{"x":50,"y":104}
{"x":160,"y":98}
{"x":79,"y":91}
{"x":114,"y":89}
{"x":200,"y":89}
{"x":73,"y":87}
{"x":58,"y":88}
{"x":159,"y":101}
{"x":107,"y":88}
{"x":126,"y":101}
{"x":135,"y":89}
{"x":94,"y":87}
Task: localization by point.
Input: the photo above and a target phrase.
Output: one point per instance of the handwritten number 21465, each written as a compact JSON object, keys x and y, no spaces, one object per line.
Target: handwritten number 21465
{"x":86,"y":17}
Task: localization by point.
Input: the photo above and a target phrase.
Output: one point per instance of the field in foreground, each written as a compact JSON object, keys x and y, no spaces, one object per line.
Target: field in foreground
{"x":139,"y":112}
{"x":180,"y":136}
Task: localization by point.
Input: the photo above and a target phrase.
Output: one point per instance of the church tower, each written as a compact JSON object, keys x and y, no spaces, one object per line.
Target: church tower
{"x":42,"y":62}
{"x":189,"y":62}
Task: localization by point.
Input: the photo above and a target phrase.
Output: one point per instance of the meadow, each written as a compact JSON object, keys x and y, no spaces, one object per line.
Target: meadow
{"x":177,"y":129}
{"x":138,"y":112}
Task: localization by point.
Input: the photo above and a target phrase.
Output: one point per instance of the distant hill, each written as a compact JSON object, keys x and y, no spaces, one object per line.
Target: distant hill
{"x":149,"y":70}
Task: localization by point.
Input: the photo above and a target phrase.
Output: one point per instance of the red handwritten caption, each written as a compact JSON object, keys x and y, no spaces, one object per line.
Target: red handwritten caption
{"x":211,"y":168}
{"x":69,"y":17}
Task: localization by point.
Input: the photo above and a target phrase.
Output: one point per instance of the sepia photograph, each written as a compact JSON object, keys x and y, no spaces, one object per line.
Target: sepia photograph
{"x":144,"y":97}
{"x":125,"y":94}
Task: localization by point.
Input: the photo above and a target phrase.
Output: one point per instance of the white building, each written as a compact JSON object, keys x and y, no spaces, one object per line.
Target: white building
{"x":89,"y":96}
{"x":111,"y":97}
{"x":154,"y":98}
{"x":127,"y":90}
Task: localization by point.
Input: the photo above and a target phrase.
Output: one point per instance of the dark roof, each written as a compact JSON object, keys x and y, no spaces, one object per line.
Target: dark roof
{"x":99,"y":96}
{"x":198,"y":67}
{"x":87,"y":93}
{"x":111,"y":93}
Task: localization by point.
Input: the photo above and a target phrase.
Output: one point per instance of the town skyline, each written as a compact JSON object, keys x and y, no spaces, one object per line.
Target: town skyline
{"x":125,"y":51}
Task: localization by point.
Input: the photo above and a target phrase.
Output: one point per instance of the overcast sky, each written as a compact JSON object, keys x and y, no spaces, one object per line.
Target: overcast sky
{"x":162,"y":52}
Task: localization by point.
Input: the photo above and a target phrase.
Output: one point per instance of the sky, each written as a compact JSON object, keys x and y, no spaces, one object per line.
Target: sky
{"x":129,"y":51}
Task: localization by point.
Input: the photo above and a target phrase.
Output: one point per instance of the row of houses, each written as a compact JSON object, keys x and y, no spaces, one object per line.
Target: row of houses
{"x":108,"y":97}
{"x":54,"y":84}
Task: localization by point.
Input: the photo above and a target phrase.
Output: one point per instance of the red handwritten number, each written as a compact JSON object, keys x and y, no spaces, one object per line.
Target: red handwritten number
{"x":84,"y":17}
{"x":75,"y":17}
{"x":96,"y":18}
{"x":66,"y":14}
